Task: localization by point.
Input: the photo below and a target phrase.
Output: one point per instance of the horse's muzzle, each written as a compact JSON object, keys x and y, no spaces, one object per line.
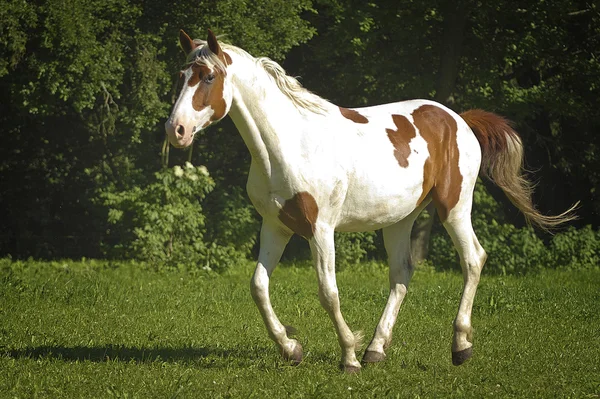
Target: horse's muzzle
{"x":178,"y":134}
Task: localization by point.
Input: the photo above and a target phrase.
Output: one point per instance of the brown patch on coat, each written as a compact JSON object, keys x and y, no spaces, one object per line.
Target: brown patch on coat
{"x":208,"y":94}
{"x":300,"y":213}
{"x":353,"y":115}
{"x":400,"y":138}
{"x":441,"y":174}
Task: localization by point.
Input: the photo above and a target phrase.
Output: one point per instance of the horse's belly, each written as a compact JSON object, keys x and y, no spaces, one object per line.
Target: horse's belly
{"x":382,"y":192}
{"x":371,"y":207}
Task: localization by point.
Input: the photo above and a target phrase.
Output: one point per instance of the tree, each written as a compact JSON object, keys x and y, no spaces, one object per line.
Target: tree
{"x":85,"y":87}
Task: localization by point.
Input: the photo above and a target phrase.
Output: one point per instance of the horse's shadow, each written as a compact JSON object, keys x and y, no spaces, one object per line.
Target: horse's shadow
{"x":203,"y":356}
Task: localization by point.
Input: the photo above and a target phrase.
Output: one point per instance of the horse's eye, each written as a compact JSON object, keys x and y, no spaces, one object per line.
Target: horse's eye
{"x":209,"y":78}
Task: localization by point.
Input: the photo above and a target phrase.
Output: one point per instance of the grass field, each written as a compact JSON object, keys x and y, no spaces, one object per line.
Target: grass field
{"x":76,"y":329}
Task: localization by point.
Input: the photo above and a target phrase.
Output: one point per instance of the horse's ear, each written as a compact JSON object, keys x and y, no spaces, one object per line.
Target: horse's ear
{"x":186,"y":42}
{"x":213,"y":44}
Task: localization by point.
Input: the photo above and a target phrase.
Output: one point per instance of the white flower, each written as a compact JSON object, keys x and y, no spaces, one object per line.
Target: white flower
{"x":203,"y":170}
{"x":188,"y":165}
{"x":178,"y":171}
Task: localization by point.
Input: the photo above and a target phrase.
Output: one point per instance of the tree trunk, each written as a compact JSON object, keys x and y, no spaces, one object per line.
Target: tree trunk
{"x":455,"y":18}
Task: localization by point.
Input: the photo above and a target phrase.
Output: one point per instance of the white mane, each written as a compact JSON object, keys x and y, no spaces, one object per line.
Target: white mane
{"x":300,"y":97}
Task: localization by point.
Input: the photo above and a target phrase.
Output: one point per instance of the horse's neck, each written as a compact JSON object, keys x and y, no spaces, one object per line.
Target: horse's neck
{"x":266,"y":118}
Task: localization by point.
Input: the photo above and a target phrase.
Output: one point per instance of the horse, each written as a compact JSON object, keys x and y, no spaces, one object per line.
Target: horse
{"x":317,"y":168}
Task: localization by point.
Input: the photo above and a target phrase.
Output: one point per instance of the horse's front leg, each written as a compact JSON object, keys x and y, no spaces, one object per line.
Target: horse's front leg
{"x":273,"y":240}
{"x":323,"y":252}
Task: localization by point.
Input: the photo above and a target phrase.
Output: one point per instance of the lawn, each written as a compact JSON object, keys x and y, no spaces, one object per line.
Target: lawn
{"x":97,"y":329}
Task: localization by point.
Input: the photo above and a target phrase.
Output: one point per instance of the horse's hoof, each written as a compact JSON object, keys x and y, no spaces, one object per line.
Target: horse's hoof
{"x":350,"y":369}
{"x":462,"y":356}
{"x":296,"y":357}
{"x":373,"y":357}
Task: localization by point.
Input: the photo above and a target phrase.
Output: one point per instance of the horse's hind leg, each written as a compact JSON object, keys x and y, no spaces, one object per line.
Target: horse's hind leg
{"x":273,"y":240}
{"x":397,"y":244}
{"x":472,"y":259}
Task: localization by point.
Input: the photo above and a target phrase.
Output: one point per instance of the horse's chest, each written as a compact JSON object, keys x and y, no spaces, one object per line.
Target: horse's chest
{"x":263,"y":194}
{"x":261,"y":199}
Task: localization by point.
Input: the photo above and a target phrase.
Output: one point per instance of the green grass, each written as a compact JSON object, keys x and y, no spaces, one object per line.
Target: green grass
{"x":94,"y":329}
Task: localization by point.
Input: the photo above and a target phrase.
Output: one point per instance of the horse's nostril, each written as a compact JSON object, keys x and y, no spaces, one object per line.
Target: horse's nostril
{"x":180,"y":130}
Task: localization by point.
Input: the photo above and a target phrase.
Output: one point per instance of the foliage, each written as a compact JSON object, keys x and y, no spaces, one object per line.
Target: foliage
{"x":232,"y":219}
{"x":538,"y":64}
{"x":353,"y":248}
{"x":165,"y":222}
{"x":510,"y":250}
{"x":576,"y":249}
{"x":85,"y":88}
{"x":513,"y":250}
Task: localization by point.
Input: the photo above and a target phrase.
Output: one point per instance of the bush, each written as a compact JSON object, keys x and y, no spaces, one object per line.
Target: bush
{"x":513,"y":250}
{"x":352,"y":248}
{"x":231,"y":219}
{"x":576,"y":249}
{"x":164,"y":222}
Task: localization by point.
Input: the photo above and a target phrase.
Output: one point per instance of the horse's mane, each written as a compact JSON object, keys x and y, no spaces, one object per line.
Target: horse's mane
{"x":289,"y":85}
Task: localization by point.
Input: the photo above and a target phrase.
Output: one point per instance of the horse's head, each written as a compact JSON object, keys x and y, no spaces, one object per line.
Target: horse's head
{"x":206,"y":93}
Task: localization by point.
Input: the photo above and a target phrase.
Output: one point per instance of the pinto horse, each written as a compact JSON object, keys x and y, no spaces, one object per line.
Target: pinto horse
{"x":318,"y":168}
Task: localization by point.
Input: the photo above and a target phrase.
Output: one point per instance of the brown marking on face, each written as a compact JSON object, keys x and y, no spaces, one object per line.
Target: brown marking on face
{"x":441,"y":174}
{"x":401,"y":137}
{"x":353,"y":115}
{"x":300,"y":213}
{"x":208,"y":94}
{"x":199,"y":72}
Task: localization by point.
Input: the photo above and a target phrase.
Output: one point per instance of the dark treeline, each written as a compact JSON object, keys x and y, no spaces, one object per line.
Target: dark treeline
{"x":86,"y":86}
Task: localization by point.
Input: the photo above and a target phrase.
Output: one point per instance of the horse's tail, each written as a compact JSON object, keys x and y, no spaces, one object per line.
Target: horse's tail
{"x":502,"y":162}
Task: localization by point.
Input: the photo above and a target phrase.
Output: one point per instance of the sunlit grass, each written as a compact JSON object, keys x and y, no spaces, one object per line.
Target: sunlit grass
{"x":99,"y":330}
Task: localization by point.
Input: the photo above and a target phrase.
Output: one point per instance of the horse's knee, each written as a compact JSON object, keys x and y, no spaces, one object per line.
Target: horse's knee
{"x":473,"y":265}
{"x":329,"y":300}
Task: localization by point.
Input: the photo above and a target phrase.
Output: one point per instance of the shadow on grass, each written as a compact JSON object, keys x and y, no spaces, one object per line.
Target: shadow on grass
{"x":206,"y":356}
